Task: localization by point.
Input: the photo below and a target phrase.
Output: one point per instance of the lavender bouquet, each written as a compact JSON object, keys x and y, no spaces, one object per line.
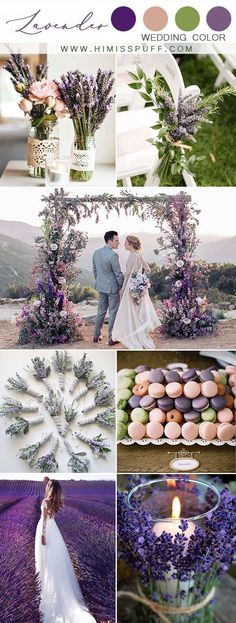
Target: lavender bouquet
{"x":178,"y":123}
{"x":41,"y":102}
{"x":176,"y":573}
{"x":88,"y":99}
{"x":138,"y":287}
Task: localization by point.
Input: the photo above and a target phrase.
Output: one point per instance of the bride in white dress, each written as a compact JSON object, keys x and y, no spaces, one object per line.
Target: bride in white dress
{"x":135,"y":321}
{"x":61,"y":599}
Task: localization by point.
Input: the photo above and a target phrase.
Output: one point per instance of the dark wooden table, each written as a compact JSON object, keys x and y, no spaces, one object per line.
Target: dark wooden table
{"x":155,"y":459}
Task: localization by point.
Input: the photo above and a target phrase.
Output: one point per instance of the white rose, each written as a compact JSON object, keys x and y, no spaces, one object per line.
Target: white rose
{"x":53,"y":247}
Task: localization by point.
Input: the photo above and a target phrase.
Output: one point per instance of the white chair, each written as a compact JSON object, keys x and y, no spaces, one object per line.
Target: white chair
{"x":135,"y":156}
{"x":226,"y":65}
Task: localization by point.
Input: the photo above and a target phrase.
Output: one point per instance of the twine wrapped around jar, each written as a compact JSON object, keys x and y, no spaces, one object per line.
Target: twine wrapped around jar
{"x":162,"y":609}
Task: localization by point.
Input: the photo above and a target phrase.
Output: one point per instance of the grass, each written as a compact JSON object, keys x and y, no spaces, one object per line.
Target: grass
{"x":216,"y":142}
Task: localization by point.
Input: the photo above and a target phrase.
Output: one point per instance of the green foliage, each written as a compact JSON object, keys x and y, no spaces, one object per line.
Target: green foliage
{"x":80,"y":293}
{"x":17,"y":291}
{"x":222,"y":283}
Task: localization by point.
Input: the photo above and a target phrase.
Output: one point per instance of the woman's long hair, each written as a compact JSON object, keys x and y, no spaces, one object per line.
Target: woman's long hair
{"x":53,"y":497}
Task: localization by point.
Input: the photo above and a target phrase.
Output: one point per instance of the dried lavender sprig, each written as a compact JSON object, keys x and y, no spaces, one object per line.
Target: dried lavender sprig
{"x":77,"y":463}
{"x":53,"y":404}
{"x":11,"y":406}
{"x":104,"y":396}
{"x":28,"y":453}
{"x":19,"y":384}
{"x":94,"y":383}
{"x":63,"y":363}
{"x":41,"y":370}
{"x":22,"y":426}
{"x":105,"y":418}
{"x":98,"y":445}
{"x":82,"y":370}
{"x":48,"y":462}
{"x":70,"y":413}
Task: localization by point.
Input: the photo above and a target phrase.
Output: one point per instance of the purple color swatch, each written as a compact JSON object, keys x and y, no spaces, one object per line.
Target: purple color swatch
{"x":123,"y":18}
{"x":218,"y":18}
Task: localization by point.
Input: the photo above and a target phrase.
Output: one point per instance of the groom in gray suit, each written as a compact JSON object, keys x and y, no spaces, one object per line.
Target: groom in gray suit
{"x":109,"y":279}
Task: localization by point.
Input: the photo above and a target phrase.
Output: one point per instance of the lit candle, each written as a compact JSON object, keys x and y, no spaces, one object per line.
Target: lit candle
{"x":59,"y":176}
{"x":172,"y":526}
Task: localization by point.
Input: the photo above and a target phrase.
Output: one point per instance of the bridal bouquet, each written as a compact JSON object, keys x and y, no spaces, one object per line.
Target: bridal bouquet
{"x":88,"y":99}
{"x":177,"y":123}
{"x":138,"y":286}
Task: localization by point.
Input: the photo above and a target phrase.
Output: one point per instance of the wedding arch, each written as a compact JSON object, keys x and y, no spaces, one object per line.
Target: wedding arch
{"x":50,"y":318}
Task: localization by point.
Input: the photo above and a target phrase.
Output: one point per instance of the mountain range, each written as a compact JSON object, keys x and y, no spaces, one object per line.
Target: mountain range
{"x":17,"y":253}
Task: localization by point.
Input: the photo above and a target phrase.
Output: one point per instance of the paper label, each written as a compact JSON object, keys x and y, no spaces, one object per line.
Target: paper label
{"x":184,"y":465}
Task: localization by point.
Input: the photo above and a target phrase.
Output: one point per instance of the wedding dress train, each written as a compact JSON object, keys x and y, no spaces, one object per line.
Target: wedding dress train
{"x":61,"y":599}
{"x":134,"y":322}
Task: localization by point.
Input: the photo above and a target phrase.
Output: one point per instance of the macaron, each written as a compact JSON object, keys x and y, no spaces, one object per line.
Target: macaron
{"x":154,"y":430}
{"x":192,"y":416}
{"x":200,"y":403}
{"x":216,"y":376}
{"x":156,"y":390}
{"x":134,"y":401}
{"x":221,"y":389}
{"x":206,"y":375}
{"x":183,"y":404}
{"x":225,"y":415}
{"x":232,"y":380}
{"x":139,"y":415}
{"x":141,"y":377}
{"x":174,"y":390}
{"x":157,"y":415}
{"x":190,"y":375}
{"x":174,"y":416}
{"x":165,"y":403}
{"x":218,"y":402}
{"x":141,"y":389}
{"x":171,"y":376}
{"x":136,"y":430}
{"x":192,"y":389}
{"x":172,"y":430}
{"x":125,"y":382}
{"x":157,"y":376}
{"x":229,"y":401}
{"x":142,"y":368}
{"x":209,"y":389}
{"x":225,"y":431}
{"x":190,"y":431}
{"x":230,"y":369}
{"x":147,"y":403}
{"x":207,"y":431}
{"x":209,"y":415}
{"x":121,"y":430}
{"x":126,"y":372}
{"x":122,"y":416}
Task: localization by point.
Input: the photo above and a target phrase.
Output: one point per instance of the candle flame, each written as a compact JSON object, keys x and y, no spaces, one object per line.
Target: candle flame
{"x":171,"y":483}
{"x":176,"y":508}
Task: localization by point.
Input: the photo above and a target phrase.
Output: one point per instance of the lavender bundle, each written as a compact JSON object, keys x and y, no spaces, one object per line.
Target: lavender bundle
{"x":53,"y":404}
{"x":22,"y":426}
{"x":88,"y":99}
{"x":105,"y":418}
{"x":48,"y":462}
{"x":28,"y":453}
{"x":41,"y":370}
{"x":98,"y":445}
{"x":177,"y":124}
{"x":19,"y":384}
{"x":104,"y":396}
{"x":82,"y":371}
{"x":70,"y":413}
{"x":11,"y":406}
{"x":63,"y":363}
{"x":95,"y":382}
{"x":78,"y":461}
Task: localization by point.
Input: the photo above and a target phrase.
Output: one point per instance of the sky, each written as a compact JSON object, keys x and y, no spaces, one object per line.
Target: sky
{"x":217,"y":205}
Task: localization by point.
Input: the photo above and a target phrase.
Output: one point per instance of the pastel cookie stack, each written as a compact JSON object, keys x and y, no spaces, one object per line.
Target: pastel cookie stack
{"x":176,"y":402}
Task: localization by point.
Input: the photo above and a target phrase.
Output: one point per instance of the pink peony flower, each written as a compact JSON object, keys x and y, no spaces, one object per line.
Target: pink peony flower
{"x":60,"y":108}
{"x":25,"y":105}
{"x":40,"y":91}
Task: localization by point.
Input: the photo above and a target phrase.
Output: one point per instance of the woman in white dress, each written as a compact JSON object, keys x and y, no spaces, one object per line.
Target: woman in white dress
{"x":135,"y":318}
{"x":61,"y":599}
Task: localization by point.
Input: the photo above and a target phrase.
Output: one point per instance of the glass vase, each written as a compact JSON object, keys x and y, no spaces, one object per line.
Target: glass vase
{"x":43,"y":141}
{"x":83,"y":158}
{"x":195,"y":500}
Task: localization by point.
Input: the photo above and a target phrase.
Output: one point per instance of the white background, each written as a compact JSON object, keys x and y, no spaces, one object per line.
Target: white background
{"x":17,"y":361}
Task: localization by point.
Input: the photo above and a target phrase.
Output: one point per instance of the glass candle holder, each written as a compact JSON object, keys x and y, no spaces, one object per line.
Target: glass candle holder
{"x":57,"y":172}
{"x":168,"y":501}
